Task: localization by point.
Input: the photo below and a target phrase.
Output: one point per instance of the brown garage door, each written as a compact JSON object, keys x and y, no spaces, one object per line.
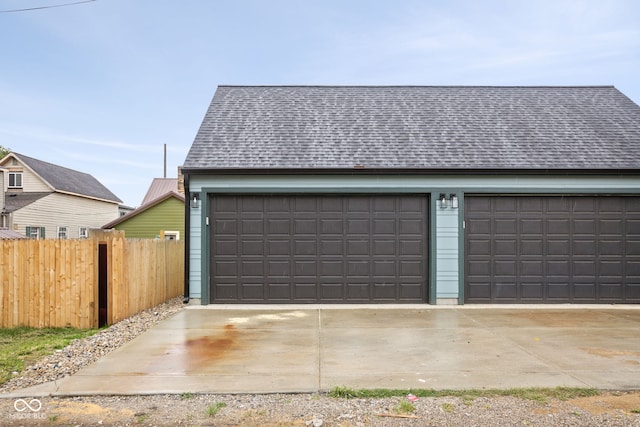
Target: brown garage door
{"x":552,"y":249}
{"x":327,"y":249}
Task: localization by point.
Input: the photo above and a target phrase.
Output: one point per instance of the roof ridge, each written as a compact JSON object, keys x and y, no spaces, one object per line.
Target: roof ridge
{"x":426,"y":86}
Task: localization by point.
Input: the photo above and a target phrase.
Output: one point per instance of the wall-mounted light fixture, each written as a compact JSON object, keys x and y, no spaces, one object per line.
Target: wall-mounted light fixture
{"x":443,"y":200}
{"x":448,"y":201}
{"x":195,"y":200}
{"x":454,"y":201}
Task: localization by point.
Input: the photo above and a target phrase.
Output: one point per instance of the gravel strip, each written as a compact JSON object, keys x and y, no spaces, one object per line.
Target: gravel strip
{"x":608,"y":409}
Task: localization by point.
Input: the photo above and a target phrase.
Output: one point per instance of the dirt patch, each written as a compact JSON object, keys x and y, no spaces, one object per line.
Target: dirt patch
{"x":609,"y":403}
{"x":68,"y":411}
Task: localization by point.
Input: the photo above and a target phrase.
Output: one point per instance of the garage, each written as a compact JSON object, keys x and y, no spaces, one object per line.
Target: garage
{"x":552,"y":249}
{"x":318,"y":249}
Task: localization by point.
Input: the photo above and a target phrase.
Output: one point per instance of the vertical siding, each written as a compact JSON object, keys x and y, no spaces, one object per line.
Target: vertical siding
{"x":447,"y":238}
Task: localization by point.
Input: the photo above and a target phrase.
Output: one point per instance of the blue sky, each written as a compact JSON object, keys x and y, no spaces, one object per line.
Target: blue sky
{"x":101,"y":86}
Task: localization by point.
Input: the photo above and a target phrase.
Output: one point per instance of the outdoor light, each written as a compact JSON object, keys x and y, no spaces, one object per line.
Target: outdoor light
{"x":195,"y":200}
{"x":454,"y":201}
{"x":443,"y":200}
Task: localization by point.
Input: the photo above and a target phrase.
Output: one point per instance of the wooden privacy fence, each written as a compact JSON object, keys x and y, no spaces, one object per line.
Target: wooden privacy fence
{"x":86,"y":283}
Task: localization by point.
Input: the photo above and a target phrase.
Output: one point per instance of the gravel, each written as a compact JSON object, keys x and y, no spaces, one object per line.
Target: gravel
{"x":608,"y":409}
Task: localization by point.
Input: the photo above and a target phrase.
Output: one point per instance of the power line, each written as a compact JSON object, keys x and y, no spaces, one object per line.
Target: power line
{"x":46,"y":7}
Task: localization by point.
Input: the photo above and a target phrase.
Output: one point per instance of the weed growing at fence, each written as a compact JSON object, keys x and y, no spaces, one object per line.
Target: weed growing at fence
{"x":22,"y":346}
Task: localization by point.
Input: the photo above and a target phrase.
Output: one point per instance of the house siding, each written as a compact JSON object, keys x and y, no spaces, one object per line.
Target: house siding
{"x":78,"y":212}
{"x":167,"y":215}
{"x":446,"y":256}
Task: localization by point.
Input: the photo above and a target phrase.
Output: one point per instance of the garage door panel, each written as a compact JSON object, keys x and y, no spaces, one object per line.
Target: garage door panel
{"x":505,"y":227}
{"x":278,"y":227}
{"x":531,"y":247}
{"x":611,"y":227}
{"x":305,"y":268}
{"x":251,"y":247}
{"x":577,"y":249}
{"x":633,"y":227}
{"x":558,"y":247}
{"x":531,"y":227}
{"x":479,"y":226}
{"x":503,"y":247}
{"x":330,"y":247}
{"x":557,"y":269}
{"x":532,"y":291}
{"x":305,"y":226}
{"x":558,"y":227}
{"x":505,"y":268}
{"x":411,"y":227}
{"x":506,"y":290}
{"x":252,"y":226}
{"x":479,"y":247}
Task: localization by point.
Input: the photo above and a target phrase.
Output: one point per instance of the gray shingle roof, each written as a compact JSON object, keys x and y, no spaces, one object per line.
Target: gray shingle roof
{"x":421,"y":127}
{"x":69,"y":180}
{"x":15,"y":201}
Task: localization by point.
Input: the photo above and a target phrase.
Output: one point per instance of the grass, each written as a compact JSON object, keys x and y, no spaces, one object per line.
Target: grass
{"x":22,"y":346}
{"x":405,"y":407}
{"x":540,"y":395}
{"x":448,"y":407}
{"x":215,"y":408}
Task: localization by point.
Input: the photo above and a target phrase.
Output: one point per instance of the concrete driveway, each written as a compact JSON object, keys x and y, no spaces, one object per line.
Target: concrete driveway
{"x":308,"y":349}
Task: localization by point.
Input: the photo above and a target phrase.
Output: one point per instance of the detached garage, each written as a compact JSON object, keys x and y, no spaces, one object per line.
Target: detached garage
{"x":438,"y":195}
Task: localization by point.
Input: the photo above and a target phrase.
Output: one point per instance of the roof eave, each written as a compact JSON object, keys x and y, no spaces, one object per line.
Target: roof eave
{"x":410,"y":171}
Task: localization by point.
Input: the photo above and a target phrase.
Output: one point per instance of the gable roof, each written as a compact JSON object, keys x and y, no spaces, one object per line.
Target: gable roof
{"x":67,"y":180}
{"x":417,"y":127}
{"x":160,"y":187}
{"x":145,"y":207}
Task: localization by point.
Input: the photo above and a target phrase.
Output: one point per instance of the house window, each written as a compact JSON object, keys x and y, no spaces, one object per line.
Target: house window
{"x":15,"y":179}
{"x":34,"y":232}
{"x":83,"y":232}
{"x":171,"y":235}
{"x":62,"y":233}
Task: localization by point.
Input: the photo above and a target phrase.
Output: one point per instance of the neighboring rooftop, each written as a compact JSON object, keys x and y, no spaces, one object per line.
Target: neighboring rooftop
{"x":418,"y":127}
{"x":15,"y":201}
{"x":160,"y":187}
{"x":6,"y":233}
{"x":68,"y":180}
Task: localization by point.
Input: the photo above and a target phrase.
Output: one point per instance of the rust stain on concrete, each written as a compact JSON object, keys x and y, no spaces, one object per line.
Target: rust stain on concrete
{"x":205,"y":350}
{"x":603,"y":352}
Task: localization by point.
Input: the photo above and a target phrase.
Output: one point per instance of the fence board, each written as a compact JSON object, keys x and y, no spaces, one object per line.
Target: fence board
{"x":54,"y":283}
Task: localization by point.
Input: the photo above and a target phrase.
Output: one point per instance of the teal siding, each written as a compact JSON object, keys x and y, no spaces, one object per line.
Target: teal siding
{"x":446,"y":250}
{"x":447,"y":275}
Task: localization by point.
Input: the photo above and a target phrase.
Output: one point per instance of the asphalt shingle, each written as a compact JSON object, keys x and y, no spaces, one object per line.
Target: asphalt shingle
{"x":69,"y":180}
{"x":418,"y":127}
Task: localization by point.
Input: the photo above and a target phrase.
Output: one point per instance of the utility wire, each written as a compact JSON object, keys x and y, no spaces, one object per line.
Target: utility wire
{"x":46,"y":7}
